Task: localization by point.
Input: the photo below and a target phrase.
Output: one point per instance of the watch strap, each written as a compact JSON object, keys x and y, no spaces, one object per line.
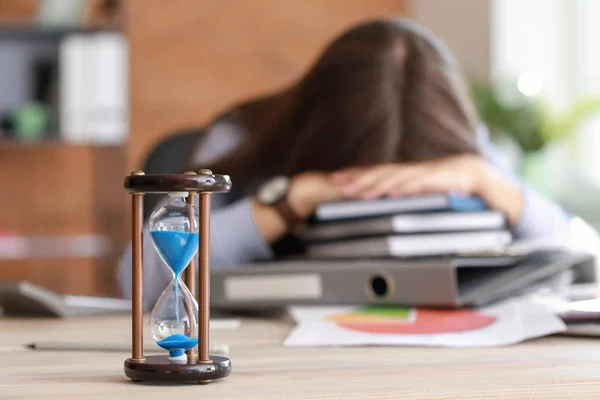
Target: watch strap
{"x":287,"y":212}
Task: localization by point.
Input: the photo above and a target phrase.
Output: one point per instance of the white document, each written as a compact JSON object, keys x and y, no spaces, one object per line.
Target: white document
{"x":504,"y":323}
{"x":75,"y":87}
{"x":107,"y":121}
{"x":93,"y":90}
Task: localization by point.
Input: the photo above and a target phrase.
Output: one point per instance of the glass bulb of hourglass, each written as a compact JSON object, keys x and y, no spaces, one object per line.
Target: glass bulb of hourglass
{"x":174,"y":232}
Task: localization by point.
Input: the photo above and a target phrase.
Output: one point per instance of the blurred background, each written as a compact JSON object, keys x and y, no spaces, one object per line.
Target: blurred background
{"x":88,"y":88}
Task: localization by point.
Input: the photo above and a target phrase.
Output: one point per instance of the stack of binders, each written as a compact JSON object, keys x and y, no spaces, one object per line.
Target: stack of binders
{"x":447,"y":251}
{"x":407,"y":227}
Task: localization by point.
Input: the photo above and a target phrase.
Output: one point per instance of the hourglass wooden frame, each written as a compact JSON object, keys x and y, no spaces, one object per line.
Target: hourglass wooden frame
{"x":200,"y":365}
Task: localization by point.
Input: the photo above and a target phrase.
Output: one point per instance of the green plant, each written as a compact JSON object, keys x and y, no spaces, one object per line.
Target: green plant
{"x":528,"y":120}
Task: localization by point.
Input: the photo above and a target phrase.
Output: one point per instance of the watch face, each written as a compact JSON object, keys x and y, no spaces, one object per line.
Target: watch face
{"x":274,"y":190}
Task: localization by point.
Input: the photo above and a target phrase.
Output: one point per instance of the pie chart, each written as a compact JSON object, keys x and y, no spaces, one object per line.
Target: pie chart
{"x":407,"y":321}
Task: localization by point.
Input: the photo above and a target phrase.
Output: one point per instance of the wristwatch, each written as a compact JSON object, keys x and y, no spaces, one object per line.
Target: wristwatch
{"x":273,"y":193}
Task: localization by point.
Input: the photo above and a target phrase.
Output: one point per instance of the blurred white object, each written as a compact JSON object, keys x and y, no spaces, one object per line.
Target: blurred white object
{"x":74,"y":87}
{"x":93,"y":88}
{"x":107,"y":121}
{"x":82,"y":246}
{"x":61,"y":12}
{"x":581,"y":237}
{"x":502,"y":323}
{"x":13,"y":247}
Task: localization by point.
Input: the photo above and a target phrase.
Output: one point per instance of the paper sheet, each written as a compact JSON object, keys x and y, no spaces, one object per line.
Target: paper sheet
{"x":504,"y":323}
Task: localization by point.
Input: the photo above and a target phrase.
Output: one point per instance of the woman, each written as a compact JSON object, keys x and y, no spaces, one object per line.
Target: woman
{"x":382,"y":112}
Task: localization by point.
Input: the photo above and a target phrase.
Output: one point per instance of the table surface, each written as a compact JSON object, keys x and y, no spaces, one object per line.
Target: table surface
{"x":548,"y":368}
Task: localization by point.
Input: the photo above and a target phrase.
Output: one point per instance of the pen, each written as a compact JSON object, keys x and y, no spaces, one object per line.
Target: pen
{"x":218,"y":349}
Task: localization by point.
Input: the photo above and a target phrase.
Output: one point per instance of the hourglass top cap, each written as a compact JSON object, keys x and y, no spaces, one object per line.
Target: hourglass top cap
{"x":204,"y":182}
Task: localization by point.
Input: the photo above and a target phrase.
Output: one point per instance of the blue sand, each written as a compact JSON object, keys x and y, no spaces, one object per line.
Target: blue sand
{"x":177,"y":344}
{"x":177,"y":248}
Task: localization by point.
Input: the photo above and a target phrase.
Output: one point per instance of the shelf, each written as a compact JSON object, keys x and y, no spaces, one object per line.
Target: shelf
{"x":46,"y":33}
{"x":44,"y":247}
{"x":10,"y":144}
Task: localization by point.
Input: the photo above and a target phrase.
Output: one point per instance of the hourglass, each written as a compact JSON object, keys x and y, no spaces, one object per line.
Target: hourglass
{"x":179,"y":230}
{"x":174,"y":232}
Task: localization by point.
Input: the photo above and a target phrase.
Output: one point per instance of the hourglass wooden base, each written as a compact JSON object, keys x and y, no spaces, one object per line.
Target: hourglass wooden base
{"x":199,"y":366}
{"x":159,"y":368}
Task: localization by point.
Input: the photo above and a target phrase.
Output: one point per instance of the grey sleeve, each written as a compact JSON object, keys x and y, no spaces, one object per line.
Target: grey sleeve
{"x":545,"y":223}
{"x":541,"y":218}
{"x":234,"y":235}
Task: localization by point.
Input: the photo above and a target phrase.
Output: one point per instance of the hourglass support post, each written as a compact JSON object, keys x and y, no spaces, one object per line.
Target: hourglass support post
{"x":190,"y":273}
{"x":204,"y":290}
{"x":137,"y":290}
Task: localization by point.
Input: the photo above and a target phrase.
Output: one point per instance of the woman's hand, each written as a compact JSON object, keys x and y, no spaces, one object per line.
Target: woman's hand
{"x":460,"y":174}
{"x":464,"y":174}
{"x":309,"y":189}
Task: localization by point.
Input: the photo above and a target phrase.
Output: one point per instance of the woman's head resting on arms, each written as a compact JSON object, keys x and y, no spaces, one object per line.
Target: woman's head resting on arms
{"x":382,"y":111}
{"x":383,"y":91}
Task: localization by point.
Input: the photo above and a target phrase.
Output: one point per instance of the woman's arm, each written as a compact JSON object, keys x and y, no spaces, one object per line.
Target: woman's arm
{"x":538,"y":216}
{"x":541,"y":220}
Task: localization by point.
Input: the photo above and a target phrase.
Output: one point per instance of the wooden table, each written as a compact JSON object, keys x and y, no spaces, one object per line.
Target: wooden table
{"x":549,"y":368}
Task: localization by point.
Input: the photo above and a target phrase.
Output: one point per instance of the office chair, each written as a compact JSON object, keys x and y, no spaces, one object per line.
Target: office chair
{"x":169,"y":157}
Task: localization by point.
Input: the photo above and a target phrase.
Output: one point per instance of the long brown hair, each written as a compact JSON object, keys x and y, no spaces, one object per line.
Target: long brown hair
{"x":383,"y":91}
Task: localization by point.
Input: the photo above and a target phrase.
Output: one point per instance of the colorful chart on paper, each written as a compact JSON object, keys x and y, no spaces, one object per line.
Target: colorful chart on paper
{"x":388,"y":320}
